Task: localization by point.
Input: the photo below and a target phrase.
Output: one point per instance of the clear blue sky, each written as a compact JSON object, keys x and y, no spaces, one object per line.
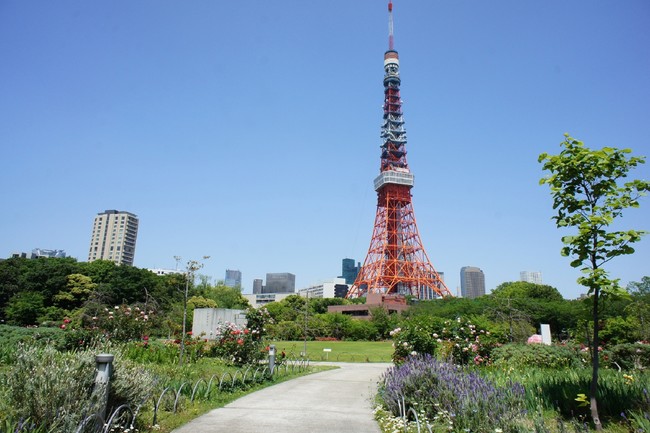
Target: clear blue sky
{"x":249,"y":130}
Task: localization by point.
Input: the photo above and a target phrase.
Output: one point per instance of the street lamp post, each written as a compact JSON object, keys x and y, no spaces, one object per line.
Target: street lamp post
{"x":192,"y":266}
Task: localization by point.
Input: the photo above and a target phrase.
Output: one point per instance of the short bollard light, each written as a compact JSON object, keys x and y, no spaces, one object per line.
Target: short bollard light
{"x":104,"y":365}
{"x":272,"y":358}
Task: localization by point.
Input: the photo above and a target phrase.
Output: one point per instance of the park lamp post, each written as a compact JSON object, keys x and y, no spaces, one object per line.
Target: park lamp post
{"x":192,"y":266}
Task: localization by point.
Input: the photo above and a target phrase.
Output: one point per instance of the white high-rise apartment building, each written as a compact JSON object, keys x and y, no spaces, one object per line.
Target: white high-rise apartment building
{"x":531,"y":277}
{"x":114,"y":236}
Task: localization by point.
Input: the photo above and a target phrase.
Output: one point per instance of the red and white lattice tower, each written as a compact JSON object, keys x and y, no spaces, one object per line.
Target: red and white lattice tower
{"x":396,"y":263}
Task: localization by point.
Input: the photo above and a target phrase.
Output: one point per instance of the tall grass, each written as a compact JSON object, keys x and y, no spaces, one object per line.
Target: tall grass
{"x":558,"y":389}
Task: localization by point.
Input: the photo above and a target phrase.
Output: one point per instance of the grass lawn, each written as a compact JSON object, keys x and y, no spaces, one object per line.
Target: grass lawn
{"x":344,"y":351}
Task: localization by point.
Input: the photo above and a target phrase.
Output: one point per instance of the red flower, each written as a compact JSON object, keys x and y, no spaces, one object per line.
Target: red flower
{"x":246,"y":331}
{"x":62,"y":326}
{"x":240,"y":341}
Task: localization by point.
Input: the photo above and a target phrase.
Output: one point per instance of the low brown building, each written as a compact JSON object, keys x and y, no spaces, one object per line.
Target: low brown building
{"x":391,"y":303}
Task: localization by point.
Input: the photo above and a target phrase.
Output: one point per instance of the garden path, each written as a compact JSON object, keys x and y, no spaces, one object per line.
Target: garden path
{"x":333,"y":401}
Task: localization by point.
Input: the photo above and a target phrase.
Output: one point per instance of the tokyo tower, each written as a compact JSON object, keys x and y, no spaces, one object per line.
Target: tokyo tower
{"x":396,"y":263}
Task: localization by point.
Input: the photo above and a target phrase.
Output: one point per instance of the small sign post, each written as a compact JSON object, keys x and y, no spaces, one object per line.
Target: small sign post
{"x":272,"y":358}
{"x":327,"y":354}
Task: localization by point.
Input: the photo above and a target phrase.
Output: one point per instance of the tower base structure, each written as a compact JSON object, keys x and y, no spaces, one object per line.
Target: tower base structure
{"x":396,"y":262}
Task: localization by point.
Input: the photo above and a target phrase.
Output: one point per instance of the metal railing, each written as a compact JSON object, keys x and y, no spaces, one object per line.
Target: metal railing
{"x":171,"y":398}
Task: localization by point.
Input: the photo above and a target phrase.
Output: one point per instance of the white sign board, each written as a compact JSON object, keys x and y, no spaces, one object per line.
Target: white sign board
{"x":546,"y":334}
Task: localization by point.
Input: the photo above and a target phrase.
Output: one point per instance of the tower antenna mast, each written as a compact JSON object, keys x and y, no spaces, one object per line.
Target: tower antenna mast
{"x":390,"y":25}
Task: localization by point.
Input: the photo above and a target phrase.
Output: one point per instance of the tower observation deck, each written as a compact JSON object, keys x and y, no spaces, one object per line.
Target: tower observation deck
{"x":396,"y":262}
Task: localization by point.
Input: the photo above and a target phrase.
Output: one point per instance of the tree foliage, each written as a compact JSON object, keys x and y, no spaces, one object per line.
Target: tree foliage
{"x":56,"y":286}
{"x":224,"y":296}
{"x":525,"y":290}
{"x":590,"y":193}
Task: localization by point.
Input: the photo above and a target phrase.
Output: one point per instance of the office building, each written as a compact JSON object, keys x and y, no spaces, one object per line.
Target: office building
{"x":41,"y":252}
{"x":258,"y":300}
{"x":163,"y":271}
{"x":233,"y":278}
{"x":258,"y":285}
{"x":113,"y":238}
{"x":531,"y":277}
{"x":472,"y":282}
{"x":282,"y":282}
{"x":349,"y":270}
{"x":336,"y":288}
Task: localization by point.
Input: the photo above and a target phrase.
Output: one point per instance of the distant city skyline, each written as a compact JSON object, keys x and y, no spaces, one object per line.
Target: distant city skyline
{"x":250,"y":131}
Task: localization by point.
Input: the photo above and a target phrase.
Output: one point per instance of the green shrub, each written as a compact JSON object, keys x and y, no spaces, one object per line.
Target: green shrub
{"x":155,"y":352}
{"x":285,"y":330}
{"x":56,"y":391}
{"x":620,"y":330}
{"x":460,"y":340}
{"x":123,"y":322}
{"x":237,"y":346}
{"x":362,"y":330}
{"x":50,"y":388}
{"x":535,"y":355}
{"x":629,"y":356}
{"x":11,"y":336}
{"x":415,"y":336}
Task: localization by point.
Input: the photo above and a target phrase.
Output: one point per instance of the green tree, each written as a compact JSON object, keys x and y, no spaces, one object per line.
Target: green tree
{"x":362,"y":330}
{"x":290,"y":308}
{"x":224,"y":296}
{"x":640,"y":288}
{"x":286,"y":330}
{"x":523,"y":289}
{"x":619,"y":330}
{"x":338,"y":325}
{"x":47,"y":276}
{"x":24,"y":308}
{"x":319,"y":305}
{"x":195,"y":302}
{"x":10,"y":271}
{"x":77,"y":291}
{"x":382,"y":322}
{"x":519,"y":302}
{"x":640,"y":305}
{"x":200,"y":302}
{"x":590,"y":194}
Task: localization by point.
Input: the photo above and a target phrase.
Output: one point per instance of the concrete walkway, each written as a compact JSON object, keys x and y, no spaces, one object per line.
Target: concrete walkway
{"x":334,"y":401}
